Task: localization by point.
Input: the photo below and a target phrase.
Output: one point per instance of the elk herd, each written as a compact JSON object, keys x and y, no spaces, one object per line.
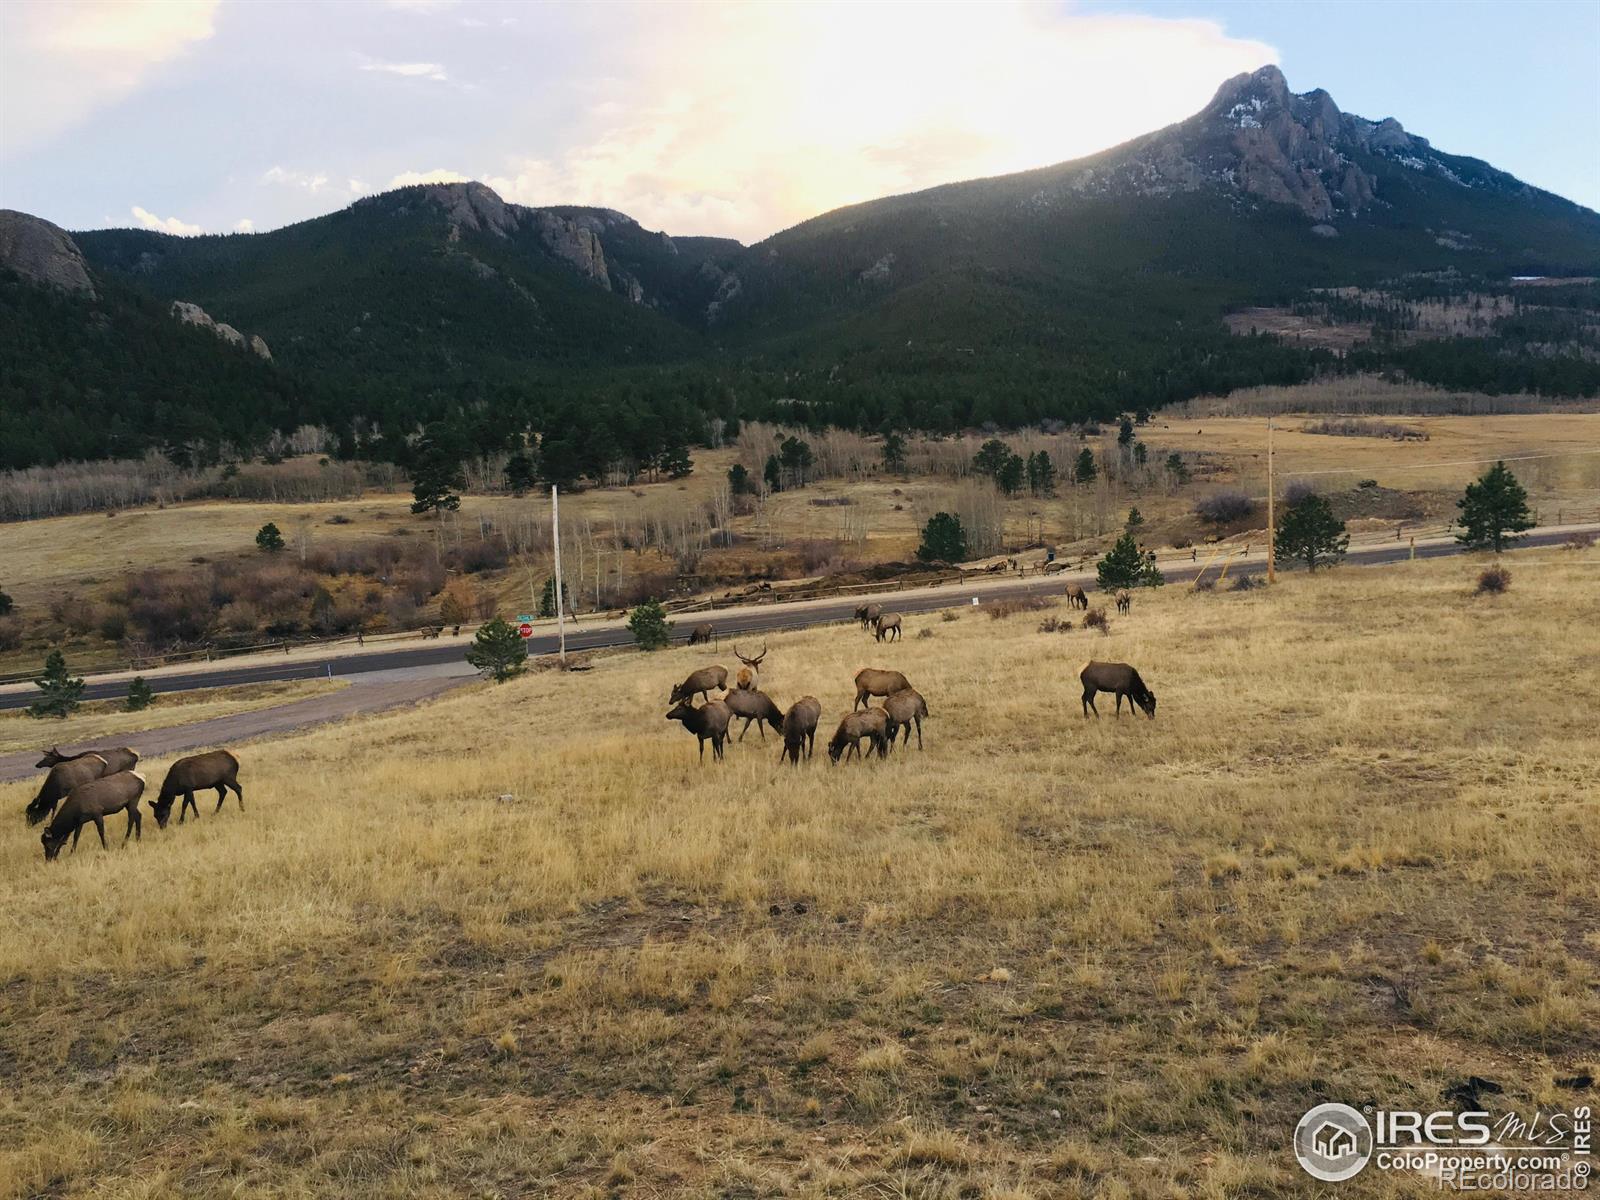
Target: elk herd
{"x":87,"y":787}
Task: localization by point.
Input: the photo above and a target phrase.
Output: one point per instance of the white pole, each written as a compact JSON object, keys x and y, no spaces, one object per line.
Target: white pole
{"x":1272,"y":523}
{"x":555,"y":537}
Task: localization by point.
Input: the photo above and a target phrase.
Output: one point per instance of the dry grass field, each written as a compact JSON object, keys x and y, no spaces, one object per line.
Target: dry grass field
{"x":99,"y":719}
{"x":1353,"y":859}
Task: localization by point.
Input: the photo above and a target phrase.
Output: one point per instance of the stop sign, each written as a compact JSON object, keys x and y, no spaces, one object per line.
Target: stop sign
{"x":525,"y":629}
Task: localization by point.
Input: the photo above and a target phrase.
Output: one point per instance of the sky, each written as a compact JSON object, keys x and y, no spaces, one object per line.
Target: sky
{"x":728,"y":119}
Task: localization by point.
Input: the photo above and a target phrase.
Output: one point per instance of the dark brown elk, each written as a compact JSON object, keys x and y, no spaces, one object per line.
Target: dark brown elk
{"x":872,"y":682}
{"x":867,"y":614}
{"x":702,"y":683}
{"x":905,"y":707}
{"x":94,"y":801}
{"x":702,"y":634}
{"x":1076,"y":596}
{"x":887,"y":624}
{"x":1119,"y":678}
{"x":751,"y":705}
{"x":750,"y":674}
{"x":119,"y":759}
{"x":800,"y":728}
{"x":1124,"y":601}
{"x":857,"y":727}
{"x":708,"y":722}
{"x":58,"y":785}
{"x":214,"y":769}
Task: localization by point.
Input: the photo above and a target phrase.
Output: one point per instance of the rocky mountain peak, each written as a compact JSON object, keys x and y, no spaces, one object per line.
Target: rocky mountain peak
{"x":42,"y":252}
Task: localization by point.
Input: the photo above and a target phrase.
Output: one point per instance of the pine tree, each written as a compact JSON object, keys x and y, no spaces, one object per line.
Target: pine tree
{"x":547,"y":598}
{"x":521,"y":474}
{"x":1493,"y":510}
{"x":1140,"y":454}
{"x":436,"y":480}
{"x":674,"y":460}
{"x":773,"y":473}
{"x":943,"y":539}
{"x":1041,"y":474}
{"x":797,"y":459}
{"x":1012,"y":473}
{"x":269,"y":539}
{"x":649,"y":625}
{"x":1310,"y":532}
{"x":1125,"y":433}
{"x":1176,"y":467}
{"x":60,"y":693}
{"x":894,"y":452}
{"x":1135,"y":519}
{"x":140,"y":697}
{"x":498,"y":651}
{"x":991,"y":459}
{"x":1084,"y":470}
{"x":1126,"y":566}
{"x":739,"y":480}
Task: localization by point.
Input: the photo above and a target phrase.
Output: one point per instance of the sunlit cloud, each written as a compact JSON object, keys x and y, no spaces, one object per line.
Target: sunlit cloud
{"x":416,"y":70}
{"x":311,"y":181}
{"x":164,"y":224}
{"x":244,"y":225}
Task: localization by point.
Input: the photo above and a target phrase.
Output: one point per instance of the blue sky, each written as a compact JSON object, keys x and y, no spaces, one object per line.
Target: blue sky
{"x":214,"y":115}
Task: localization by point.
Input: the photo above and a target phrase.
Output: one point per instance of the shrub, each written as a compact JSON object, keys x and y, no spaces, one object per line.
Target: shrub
{"x":1095,"y":618}
{"x":1225,"y":507}
{"x":1298,"y":490}
{"x":950,"y":614}
{"x":1246,"y":583}
{"x":924,"y":632}
{"x":649,"y":625}
{"x":1579,"y":541}
{"x":140,"y":697}
{"x":269,"y":539}
{"x":1205,"y":585}
{"x":1054,"y":625}
{"x":10,"y":634}
{"x":1016,"y":604}
{"x":1494,"y":581}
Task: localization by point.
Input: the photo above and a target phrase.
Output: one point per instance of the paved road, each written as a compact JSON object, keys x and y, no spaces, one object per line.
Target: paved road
{"x":435,"y":654}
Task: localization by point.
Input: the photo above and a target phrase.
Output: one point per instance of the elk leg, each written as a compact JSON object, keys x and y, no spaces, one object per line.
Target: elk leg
{"x":716,"y":745}
{"x":919,"y":734}
{"x":702,"y":750}
{"x":133,"y":824}
{"x":188,"y":803}
{"x":100,"y":828}
{"x":1119,"y":704}
{"x":238,"y":793}
{"x":222,"y":794}
{"x":1089,"y":704}
{"x":75,"y":834}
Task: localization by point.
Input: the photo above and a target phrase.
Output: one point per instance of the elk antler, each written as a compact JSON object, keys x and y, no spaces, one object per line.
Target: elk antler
{"x":751,"y":662}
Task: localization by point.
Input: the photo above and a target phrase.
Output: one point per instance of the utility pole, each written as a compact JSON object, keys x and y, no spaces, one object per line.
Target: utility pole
{"x":1272,"y":513}
{"x":555,"y":537}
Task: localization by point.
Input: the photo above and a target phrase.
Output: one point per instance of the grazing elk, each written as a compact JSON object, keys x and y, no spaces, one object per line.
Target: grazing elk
{"x":872,"y":682}
{"x":886,"y":624}
{"x":750,"y":674}
{"x":214,"y":769}
{"x":702,"y":683}
{"x":867,"y":614}
{"x":800,"y":728}
{"x":1119,"y":678}
{"x":754,"y":706}
{"x":856,"y":727}
{"x":119,"y":759}
{"x":709,"y":721}
{"x":58,"y":785}
{"x":905,"y":707}
{"x":1076,"y":597}
{"x":94,"y":801}
{"x":1124,"y":601}
{"x":703,"y":633}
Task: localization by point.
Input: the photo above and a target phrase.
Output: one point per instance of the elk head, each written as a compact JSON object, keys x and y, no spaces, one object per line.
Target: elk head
{"x":753,"y":663}
{"x":51,"y":757}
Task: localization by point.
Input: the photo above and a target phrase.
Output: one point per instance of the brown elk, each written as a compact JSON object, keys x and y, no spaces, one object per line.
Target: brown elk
{"x":1076,"y":596}
{"x":800,"y":728}
{"x":701,"y":683}
{"x":1119,"y":678}
{"x":708,"y":722}
{"x":905,"y":707}
{"x":755,"y":706}
{"x":856,"y":727}
{"x":58,"y":785}
{"x":95,"y":801}
{"x":887,"y":624}
{"x":119,"y":759}
{"x":867,"y":614}
{"x":750,"y":674}
{"x":872,"y":682}
{"x":1124,"y":601}
{"x":214,"y":769}
{"x":703,"y":633}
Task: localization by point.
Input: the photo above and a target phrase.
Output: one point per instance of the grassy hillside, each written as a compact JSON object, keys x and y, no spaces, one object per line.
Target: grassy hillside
{"x":1045,"y":957}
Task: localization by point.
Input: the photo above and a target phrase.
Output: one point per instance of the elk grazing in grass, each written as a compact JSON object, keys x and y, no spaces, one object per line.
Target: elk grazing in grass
{"x":1124,"y":601}
{"x":1076,"y":597}
{"x":702,"y":634}
{"x":872,"y":682}
{"x":800,"y":728}
{"x":755,"y":706}
{"x":214,"y":769}
{"x":1119,"y":678}
{"x":708,"y":722}
{"x":702,"y":683}
{"x":887,"y":624}
{"x":119,"y":759}
{"x":905,"y":707}
{"x":58,"y":785}
{"x":856,"y":727}
{"x":867,"y":614}
{"x":94,"y":801}
{"x":750,"y":674}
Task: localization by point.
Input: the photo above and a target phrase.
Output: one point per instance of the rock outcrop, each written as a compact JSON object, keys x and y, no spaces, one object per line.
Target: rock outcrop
{"x":193,"y":314}
{"x":42,"y":252}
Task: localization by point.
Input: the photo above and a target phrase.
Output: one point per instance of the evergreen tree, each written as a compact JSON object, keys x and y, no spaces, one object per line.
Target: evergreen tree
{"x":1493,"y":510}
{"x":943,"y":539}
{"x":498,"y":651}
{"x":140,"y":697}
{"x":991,"y":459}
{"x":521,"y":474}
{"x":1310,"y":532}
{"x":6,"y":605}
{"x":1176,"y":467}
{"x":894,"y":452}
{"x":674,"y":460}
{"x":1125,"y":433}
{"x":1012,"y":473}
{"x":1126,"y":566}
{"x":773,"y":473}
{"x":1135,"y":519}
{"x":1140,"y":454}
{"x":1084,"y":470}
{"x":547,"y":598}
{"x":60,"y":693}
{"x":739,"y":480}
{"x":1041,"y":474}
{"x":560,"y":461}
{"x":436,"y":480}
{"x":269,"y":539}
{"x":796,"y":458}
{"x":649,"y":625}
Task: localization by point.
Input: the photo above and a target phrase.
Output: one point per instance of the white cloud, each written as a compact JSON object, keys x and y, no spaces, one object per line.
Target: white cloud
{"x":412,"y":178}
{"x":311,"y":181}
{"x":417,"y":70}
{"x":164,"y":224}
{"x":60,"y":60}
{"x":244,"y":225}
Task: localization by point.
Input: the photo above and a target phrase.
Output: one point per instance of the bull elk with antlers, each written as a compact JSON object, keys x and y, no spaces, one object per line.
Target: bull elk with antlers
{"x":749,"y":676}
